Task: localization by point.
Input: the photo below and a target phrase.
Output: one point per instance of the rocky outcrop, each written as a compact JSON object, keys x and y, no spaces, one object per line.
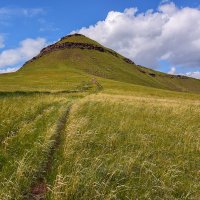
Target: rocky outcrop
{"x":152,"y":74}
{"x":128,"y":61}
{"x":168,"y":76}
{"x":73,"y":45}
{"x":161,"y":75}
{"x":181,"y":77}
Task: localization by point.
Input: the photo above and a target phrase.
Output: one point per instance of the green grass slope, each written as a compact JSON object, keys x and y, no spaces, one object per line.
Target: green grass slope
{"x":128,"y":147}
{"x":124,"y":142}
{"x":27,"y":130}
{"x":65,"y":68}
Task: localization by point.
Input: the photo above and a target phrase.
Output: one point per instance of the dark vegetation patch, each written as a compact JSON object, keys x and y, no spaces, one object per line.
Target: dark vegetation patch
{"x":129,"y":61}
{"x":80,"y":88}
{"x":152,"y":74}
{"x":30,"y":93}
{"x":142,"y":71}
{"x":161,"y":75}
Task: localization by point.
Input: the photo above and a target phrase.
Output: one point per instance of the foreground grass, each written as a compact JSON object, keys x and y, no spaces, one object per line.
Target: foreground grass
{"x":127,"y":147}
{"x":27,"y":131}
{"x":126,"y":142}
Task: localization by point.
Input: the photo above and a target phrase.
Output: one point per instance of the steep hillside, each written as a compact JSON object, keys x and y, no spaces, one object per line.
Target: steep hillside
{"x":76,"y":58}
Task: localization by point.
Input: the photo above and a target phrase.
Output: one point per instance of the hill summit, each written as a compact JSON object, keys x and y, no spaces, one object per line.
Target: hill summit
{"x":76,"y":58}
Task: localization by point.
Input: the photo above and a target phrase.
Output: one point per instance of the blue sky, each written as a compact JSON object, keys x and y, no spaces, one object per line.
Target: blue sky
{"x":48,"y":20}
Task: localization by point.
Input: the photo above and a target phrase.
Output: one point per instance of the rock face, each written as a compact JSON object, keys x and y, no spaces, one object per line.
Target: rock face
{"x":76,"y":45}
{"x":72,"y":45}
{"x":159,"y":75}
{"x":129,"y":61}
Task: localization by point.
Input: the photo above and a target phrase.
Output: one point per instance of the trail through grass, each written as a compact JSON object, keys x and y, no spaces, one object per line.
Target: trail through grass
{"x":39,"y":187}
{"x":129,"y":142}
{"x":27,"y":132}
{"x":118,"y":147}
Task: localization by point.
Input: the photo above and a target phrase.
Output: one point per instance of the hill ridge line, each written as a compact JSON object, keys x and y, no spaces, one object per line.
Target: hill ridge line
{"x":76,"y":45}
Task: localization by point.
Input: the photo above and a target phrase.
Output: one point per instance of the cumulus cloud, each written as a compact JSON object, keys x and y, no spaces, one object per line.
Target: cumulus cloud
{"x":172,"y":71}
{"x":8,"y":70}
{"x":193,"y":74}
{"x":27,"y":49}
{"x":167,"y":34}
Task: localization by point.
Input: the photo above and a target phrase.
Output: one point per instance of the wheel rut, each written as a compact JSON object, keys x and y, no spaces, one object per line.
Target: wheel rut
{"x":39,"y":187}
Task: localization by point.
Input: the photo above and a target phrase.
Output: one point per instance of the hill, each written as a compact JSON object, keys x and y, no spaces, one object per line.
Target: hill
{"x":76,"y":58}
{"x":64,"y":136}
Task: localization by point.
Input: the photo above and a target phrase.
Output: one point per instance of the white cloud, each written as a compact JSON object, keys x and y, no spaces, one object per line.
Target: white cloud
{"x":27,"y":49}
{"x":172,"y":71}
{"x":32,"y":12}
{"x":193,"y":74}
{"x":8,"y":70}
{"x":169,"y":33}
{"x":47,"y":26}
{"x":29,"y":12}
{"x":8,"y":14}
{"x":196,"y":74}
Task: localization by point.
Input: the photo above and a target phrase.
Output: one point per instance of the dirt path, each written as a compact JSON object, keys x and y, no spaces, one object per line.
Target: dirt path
{"x":39,"y":188}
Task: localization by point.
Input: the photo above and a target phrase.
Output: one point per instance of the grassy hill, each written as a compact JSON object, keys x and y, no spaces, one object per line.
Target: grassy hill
{"x":76,"y":58}
{"x":81,"y":122}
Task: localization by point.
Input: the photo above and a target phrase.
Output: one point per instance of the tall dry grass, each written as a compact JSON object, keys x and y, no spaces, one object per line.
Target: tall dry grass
{"x":126,"y":147}
{"x":27,"y":130}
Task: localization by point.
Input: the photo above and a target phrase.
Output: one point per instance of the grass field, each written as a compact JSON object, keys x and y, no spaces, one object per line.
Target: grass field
{"x":123,"y":147}
{"x":124,"y":142}
{"x":27,"y":131}
{"x":80,"y":124}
